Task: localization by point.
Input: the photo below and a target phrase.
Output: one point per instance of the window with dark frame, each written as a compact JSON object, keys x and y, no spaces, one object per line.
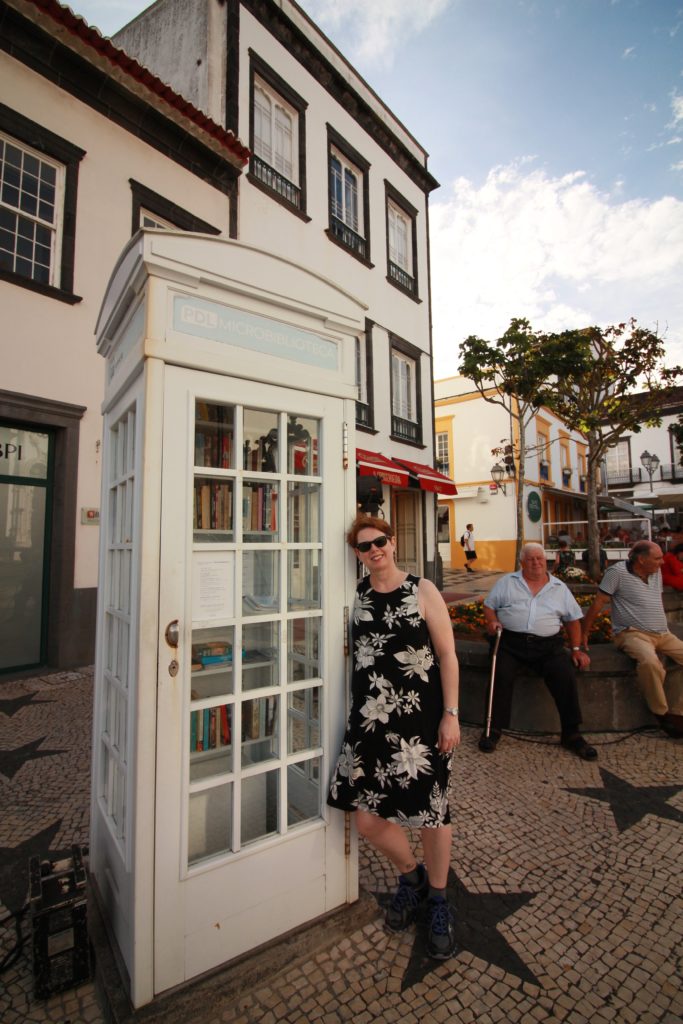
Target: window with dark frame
{"x":277,"y":137}
{"x":364,"y":381}
{"x":401,"y":218}
{"x":151,"y":210}
{"x":38,"y":186}
{"x":348,"y":195}
{"x":405,"y":392}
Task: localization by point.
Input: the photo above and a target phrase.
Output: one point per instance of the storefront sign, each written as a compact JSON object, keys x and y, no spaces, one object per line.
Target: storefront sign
{"x":23,"y":453}
{"x":533,"y":506}
{"x":211,"y":320}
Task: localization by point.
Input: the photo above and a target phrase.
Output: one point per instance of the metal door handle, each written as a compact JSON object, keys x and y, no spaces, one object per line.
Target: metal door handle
{"x":172,"y":634}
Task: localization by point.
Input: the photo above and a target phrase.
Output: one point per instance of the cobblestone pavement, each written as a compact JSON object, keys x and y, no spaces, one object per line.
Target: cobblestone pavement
{"x":566,"y":875}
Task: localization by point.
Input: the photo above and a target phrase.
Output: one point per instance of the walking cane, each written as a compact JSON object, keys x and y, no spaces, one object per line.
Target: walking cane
{"x":489,"y":709}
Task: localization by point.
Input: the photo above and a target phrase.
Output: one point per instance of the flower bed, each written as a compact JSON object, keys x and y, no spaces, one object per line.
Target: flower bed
{"x":468,"y":620}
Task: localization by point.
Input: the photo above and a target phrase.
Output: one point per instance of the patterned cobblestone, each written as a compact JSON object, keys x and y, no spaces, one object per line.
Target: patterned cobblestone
{"x":567,"y":878}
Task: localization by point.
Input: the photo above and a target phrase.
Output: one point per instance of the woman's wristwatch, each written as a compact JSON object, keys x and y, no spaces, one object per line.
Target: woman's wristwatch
{"x":451,"y":711}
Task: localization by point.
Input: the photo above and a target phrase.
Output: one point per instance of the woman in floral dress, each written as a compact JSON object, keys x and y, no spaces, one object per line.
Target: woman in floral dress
{"x":394,"y":766}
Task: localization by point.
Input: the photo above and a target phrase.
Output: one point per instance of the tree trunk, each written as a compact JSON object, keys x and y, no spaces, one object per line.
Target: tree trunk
{"x":519,"y":495}
{"x":593,"y":489}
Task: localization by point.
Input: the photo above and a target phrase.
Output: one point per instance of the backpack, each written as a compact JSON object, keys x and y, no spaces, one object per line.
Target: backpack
{"x":462,"y":540}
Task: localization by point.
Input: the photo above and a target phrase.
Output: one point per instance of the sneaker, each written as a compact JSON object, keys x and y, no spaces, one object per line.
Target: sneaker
{"x":406,"y":902}
{"x":671,"y":724}
{"x":487,"y":744}
{"x":441,"y":935}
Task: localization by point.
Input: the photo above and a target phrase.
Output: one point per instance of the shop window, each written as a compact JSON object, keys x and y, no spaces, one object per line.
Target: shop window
{"x":443,"y":529}
{"x":348,"y":198}
{"x":277,"y":137}
{"x":38,"y":184}
{"x":401,"y":242}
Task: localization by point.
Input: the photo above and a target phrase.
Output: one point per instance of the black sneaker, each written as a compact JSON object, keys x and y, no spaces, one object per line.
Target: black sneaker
{"x":441,"y":935}
{"x":406,"y":902}
{"x":487,"y":744}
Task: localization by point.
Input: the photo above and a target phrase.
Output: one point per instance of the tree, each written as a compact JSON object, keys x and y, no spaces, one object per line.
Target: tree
{"x":595,"y":393}
{"x":513,"y":372}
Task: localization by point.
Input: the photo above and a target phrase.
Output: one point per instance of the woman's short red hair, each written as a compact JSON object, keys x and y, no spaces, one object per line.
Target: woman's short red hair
{"x":363,"y":522}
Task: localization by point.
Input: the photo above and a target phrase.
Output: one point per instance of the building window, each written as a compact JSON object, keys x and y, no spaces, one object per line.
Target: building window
{"x":277,"y":136}
{"x":150,"y":210}
{"x":442,"y":461}
{"x":348,"y":198}
{"x":618,"y":465}
{"x":401,"y":242}
{"x":363,"y":378}
{"x":443,"y":524}
{"x":38,"y":185}
{"x":405,"y":389}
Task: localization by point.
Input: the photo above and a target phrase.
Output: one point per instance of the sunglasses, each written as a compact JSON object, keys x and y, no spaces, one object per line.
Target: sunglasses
{"x":379,"y":542}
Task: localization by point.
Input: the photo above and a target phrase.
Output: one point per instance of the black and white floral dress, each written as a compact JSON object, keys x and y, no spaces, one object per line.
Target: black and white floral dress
{"x":389,"y":764}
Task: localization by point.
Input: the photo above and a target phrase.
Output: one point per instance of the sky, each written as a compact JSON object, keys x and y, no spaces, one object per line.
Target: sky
{"x":555,"y":130}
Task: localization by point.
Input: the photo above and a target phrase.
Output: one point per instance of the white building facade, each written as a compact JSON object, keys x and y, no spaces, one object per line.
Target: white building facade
{"x":334,"y":182}
{"x":92,"y":147}
{"x":337,"y":182}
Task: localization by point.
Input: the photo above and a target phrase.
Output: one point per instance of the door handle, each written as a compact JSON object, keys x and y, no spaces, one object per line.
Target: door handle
{"x":172,"y":634}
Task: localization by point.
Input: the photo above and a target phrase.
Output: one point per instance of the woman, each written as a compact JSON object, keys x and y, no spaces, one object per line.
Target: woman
{"x":672,"y":568}
{"x":393,"y":770}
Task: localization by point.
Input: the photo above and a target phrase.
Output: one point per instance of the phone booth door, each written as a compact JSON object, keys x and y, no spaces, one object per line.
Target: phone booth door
{"x":251,"y":667}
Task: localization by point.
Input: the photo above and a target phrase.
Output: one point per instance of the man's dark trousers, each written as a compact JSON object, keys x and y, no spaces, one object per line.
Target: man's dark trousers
{"x":550,"y":659}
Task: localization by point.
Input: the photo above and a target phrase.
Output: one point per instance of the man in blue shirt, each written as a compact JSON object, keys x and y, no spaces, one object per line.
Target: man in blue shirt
{"x":530,"y":607}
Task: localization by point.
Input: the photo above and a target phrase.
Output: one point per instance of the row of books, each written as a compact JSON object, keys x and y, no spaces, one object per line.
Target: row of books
{"x":216,"y":652}
{"x":209,"y":729}
{"x":259,"y":508}
{"x":212,"y":505}
{"x":213,"y":449}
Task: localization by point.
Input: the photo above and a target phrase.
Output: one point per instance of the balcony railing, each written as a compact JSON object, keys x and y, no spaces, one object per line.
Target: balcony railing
{"x":672,"y":471}
{"x":347,"y":236}
{"x":275,"y":181}
{"x":402,"y":277}
{"x":405,"y":430}
{"x":625,"y":477}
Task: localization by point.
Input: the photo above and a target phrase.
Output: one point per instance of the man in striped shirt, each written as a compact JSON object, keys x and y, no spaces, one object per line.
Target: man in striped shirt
{"x":634,"y":589}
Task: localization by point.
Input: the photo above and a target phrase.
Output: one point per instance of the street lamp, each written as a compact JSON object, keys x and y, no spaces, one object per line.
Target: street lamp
{"x":650,"y":464}
{"x":497,"y":474}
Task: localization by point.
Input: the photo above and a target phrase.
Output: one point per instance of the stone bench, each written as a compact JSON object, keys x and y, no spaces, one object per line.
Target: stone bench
{"x":608,"y":694}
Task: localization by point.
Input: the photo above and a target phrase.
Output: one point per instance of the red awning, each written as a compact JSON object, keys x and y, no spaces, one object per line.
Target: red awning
{"x":374,"y":464}
{"x":430,"y":479}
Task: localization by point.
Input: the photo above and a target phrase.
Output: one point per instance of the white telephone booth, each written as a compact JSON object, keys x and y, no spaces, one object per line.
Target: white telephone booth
{"x":228,"y":483}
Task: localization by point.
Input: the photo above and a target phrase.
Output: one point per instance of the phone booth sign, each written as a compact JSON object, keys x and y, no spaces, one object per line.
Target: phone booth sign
{"x":220,"y":691}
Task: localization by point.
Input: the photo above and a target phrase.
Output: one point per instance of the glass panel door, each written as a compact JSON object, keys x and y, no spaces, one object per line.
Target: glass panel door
{"x":254,"y":572}
{"x":24,"y":524}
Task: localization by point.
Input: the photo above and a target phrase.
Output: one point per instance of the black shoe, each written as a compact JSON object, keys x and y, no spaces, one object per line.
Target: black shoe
{"x":468,"y":568}
{"x":487,"y":744}
{"x":406,"y":902}
{"x":671,"y":724}
{"x":441,"y":933}
{"x":578,"y":746}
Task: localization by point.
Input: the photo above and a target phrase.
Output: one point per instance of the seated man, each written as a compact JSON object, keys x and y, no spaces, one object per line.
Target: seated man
{"x":640,"y":629}
{"x":530,"y":607}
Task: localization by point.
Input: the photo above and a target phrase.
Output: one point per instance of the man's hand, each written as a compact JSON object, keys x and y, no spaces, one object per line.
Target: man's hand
{"x":581,"y":660}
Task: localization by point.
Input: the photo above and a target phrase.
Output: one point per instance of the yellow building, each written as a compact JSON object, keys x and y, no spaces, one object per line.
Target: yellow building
{"x":468,"y":430}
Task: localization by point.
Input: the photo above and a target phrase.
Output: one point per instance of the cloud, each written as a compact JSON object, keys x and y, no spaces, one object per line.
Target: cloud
{"x":374,"y":32}
{"x":628,"y":52}
{"x":555,"y":250}
{"x":677,"y":109}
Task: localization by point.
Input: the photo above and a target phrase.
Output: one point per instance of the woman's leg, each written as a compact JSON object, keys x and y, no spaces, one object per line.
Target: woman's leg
{"x":436,"y":843}
{"x":389,"y":838}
